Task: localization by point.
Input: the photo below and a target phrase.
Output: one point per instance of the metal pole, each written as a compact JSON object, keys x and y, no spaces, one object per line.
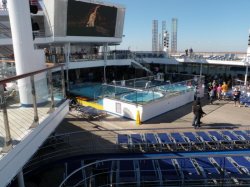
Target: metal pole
{"x":52,"y":106}
{"x":200,"y":83}
{"x":105,"y":48}
{"x":63,"y":83}
{"x":67,"y":53}
{"x":8,"y":140}
{"x":20,"y":179}
{"x":33,"y":92}
{"x":246,"y":74}
{"x":200,"y":69}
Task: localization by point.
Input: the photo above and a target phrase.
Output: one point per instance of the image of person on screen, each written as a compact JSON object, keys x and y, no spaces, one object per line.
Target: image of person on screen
{"x":92,"y":18}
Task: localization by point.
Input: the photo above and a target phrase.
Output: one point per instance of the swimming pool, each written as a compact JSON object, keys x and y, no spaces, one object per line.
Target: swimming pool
{"x":97,"y":91}
{"x":141,"y":96}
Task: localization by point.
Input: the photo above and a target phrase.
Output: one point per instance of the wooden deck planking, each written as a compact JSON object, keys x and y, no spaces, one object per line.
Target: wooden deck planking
{"x":20,"y":119}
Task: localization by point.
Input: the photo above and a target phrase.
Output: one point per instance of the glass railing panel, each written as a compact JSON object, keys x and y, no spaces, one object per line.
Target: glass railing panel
{"x":58,"y":81}
{"x":139,"y":83}
{"x":139,"y":91}
{"x":45,"y":97}
{"x":129,"y":96}
{"x":115,"y":91}
{"x":26,"y":102}
{"x":159,"y":172}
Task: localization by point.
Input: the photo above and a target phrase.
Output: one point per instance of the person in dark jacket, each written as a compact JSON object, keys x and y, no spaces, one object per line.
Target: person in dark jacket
{"x":236,"y":96}
{"x":198,"y":113}
{"x":193,"y":110}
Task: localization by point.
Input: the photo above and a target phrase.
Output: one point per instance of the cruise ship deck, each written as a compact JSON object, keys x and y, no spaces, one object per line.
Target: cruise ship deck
{"x":50,"y":47}
{"x":100,"y":135}
{"x":222,"y":115}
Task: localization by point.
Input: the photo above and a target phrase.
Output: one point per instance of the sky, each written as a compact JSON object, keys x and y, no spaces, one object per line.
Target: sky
{"x":204,"y":25}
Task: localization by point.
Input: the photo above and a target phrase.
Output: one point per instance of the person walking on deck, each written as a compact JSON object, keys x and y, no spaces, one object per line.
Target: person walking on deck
{"x":198,"y":113}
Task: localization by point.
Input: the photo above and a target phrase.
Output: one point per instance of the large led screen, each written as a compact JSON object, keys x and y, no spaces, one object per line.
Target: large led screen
{"x":88,"y":19}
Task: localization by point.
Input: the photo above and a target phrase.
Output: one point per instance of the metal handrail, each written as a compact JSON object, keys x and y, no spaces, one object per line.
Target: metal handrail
{"x":16,"y":77}
{"x":8,"y":143}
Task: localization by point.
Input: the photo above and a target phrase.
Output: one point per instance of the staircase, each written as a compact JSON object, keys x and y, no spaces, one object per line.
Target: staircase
{"x":136,"y":63}
{"x":5,"y":31}
{"x":6,"y":51}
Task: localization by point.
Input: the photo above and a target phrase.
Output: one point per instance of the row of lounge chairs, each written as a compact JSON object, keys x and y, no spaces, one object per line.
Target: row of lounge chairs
{"x":221,"y":57}
{"x":200,"y":171}
{"x":185,"y":171}
{"x":211,"y":140}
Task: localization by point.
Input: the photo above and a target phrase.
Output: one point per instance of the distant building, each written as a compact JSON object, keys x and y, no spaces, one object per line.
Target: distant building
{"x":174,"y":35}
{"x":160,"y":43}
{"x":155,"y":35}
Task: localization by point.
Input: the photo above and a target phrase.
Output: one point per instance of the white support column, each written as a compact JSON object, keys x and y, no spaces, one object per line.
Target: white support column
{"x":26,"y":58}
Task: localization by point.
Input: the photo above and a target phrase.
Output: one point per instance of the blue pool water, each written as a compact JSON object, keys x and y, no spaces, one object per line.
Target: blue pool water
{"x":141,"y":96}
{"x":96,"y":91}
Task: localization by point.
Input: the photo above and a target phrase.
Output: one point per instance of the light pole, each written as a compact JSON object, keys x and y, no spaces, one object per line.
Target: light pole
{"x":246,"y":62}
{"x":105,"y":51}
{"x":201,"y":68}
{"x":201,"y":62}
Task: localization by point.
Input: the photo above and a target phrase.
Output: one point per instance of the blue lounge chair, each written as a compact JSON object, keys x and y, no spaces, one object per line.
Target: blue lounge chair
{"x":179,"y":139}
{"x":233,"y":138}
{"x":168,"y":170}
{"x":216,"y":136}
{"x":221,"y":141}
{"x":151,"y":140}
{"x":207,"y":140}
{"x":136,"y":141}
{"x":189,"y":170}
{"x":243,"y":164}
{"x":243,"y":135}
{"x":123,"y":140}
{"x":165,"y":141}
{"x":205,"y":137}
{"x":227,"y":166}
{"x":210,"y":170}
{"x":194,"y":140}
